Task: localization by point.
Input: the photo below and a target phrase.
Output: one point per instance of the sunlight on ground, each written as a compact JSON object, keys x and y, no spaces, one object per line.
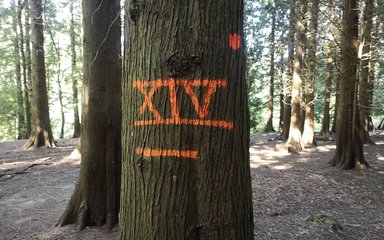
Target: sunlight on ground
{"x":325,"y":148}
{"x":261,"y":159}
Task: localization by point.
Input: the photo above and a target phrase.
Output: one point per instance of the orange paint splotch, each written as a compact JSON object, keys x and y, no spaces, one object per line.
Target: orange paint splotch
{"x":147,"y":152}
{"x":234,"y":41}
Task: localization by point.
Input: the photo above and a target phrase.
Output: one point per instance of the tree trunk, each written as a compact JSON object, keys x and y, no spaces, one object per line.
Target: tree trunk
{"x":289,"y":73}
{"x":56,"y":48}
{"x":309,"y":124}
{"x":269,"y":126}
{"x":349,"y":147}
{"x":28,"y":75}
{"x":186,"y":172}
{"x":95,"y":200}
{"x":74,"y":76}
{"x":365,"y":80}
{"x":281,"y":95}
{"x":16,"y":55}
{"x":325,"y":126}
{"x":294,"y":138}
{"x":41,"y":134}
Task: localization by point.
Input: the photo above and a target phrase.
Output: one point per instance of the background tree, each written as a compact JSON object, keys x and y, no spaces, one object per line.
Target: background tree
{"x":74,"y":76}
{"x":269,"y":126}
{"x":27,"y":80}
{"x":308,"y":135}
{"x":325,"y":127}
{"x":366,"y":81}
{"x":95,"y":200}
{"x":185,"y":131}
{"x":294,"y":138}
{"x":41,"y":134}
{"x":289,"y":72}
{"x":349,"y":147}
{"x":17,"y":60}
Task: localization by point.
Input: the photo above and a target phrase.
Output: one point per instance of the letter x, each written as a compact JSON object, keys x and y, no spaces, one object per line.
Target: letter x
{"x":148,"y":98}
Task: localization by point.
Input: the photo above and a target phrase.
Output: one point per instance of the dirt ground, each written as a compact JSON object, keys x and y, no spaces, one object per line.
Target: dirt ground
{"x":295,"y":196}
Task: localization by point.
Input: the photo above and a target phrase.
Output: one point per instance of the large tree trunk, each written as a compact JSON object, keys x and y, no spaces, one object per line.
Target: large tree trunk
{"x":186,"y":172}
{"x":294,"y":138}
{"x":349,"y":147}
{"x":269,"y":126}
{"x":309,"y":124}
{"x":74,"y":76}
{"x":16,"y":55}
{"x":95,"y":200}
{"x":365,"y":79}
{"x":325,"y":126}
{"x":41,"y":134}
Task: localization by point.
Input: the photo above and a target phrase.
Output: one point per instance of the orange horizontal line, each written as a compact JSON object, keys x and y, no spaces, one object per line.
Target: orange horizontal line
{"x":147,"y":152}
{"x":195,"y":122}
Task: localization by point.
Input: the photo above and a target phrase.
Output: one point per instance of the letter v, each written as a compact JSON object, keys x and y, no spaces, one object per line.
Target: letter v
{"x":201,"y":111}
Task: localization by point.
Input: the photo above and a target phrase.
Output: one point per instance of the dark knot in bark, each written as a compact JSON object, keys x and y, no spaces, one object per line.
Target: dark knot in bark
{"x":179,"y":65}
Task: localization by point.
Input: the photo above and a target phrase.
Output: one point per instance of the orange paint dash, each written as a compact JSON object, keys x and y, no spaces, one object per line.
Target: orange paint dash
{"x":195,"y":122}
{"x":234,"y":41}
{"x":147,"y":152}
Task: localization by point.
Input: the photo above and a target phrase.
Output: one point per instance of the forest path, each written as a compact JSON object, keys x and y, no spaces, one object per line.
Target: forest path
{"x":35,"y":186}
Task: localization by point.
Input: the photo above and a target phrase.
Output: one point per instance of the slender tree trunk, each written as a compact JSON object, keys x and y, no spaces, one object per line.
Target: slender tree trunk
{"x":325,"y":126}
{"x":294,"y":138}
{"x":269,"y":127}
{"x":60,"y":89}
{"x":16,"y":56}
{"x":28,"y":75}
{"x":41,"y":134}
{"x":186,"y":168}
{"x":74,"y":76}
{"x":349,"y":147}
{"x":95,"y":200}
{"x":365,"y":80}
{"x":56,"y":48}
{"x":281,"y":96}
{"x":289,"y":73}
{"x":309,"y":124}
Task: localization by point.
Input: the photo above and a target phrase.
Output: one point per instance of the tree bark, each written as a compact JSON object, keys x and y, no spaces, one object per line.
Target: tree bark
{"x":95,"y":200}
{"x":365,"y":79}
{"x":186,"y":171}
{"x":294,"y":138}
{"x":74,"y":76}
{"x":349,"y":147}
{"x":41,"y":134}
{"x":308,"y":135}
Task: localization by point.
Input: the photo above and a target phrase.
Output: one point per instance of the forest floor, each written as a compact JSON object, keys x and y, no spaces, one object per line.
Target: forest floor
{"x":295,"y":196}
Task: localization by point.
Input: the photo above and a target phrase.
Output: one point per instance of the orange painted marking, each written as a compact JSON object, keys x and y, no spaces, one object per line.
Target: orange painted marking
{"x":201,"y":111}
{"x":234,"y":41}
{"x":148,"y":99}
{"x":147,"y":152}
{"x":195,"y":122}
{"x":173,"y":100}
{"x":172,"y":84}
